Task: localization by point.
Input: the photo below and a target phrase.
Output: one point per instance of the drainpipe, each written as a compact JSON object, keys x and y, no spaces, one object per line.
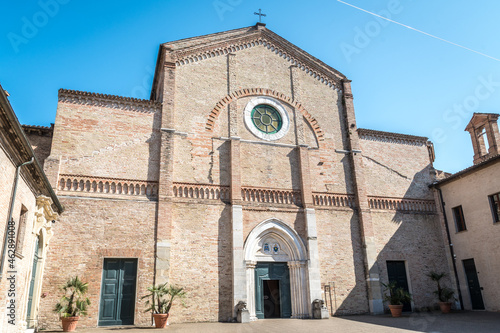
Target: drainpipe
{"x":451,"y":249}
{"x":11,"y":210}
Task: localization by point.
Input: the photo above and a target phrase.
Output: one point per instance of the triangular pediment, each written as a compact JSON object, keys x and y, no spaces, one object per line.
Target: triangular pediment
{"x":196,"y":49}
{"x":480,"y":119}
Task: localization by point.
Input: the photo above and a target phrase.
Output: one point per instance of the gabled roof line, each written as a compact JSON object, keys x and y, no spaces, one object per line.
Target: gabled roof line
{"x":369,"y":134}
{"x":467,"y":171}
{"x":260,"y":36}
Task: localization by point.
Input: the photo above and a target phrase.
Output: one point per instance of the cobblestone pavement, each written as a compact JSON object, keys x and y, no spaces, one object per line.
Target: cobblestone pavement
{"x":477,"y":322}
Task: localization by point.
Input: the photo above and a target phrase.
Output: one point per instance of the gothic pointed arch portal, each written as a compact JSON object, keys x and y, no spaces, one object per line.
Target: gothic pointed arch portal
{"x":274,"y":242}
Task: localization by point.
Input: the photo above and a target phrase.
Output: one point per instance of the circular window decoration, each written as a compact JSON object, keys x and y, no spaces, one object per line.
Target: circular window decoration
{"x":266,"y":118}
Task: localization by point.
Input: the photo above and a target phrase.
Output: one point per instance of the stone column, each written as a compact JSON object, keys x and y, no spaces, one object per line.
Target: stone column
{"x":305,"y":305}
{"x":294,"y":290}
{"x":372,"y":271}
{"x":475,"y":145}
{"x":298,"y":289}
{"x":250,"y":288}
{"x":165,"y":193}
{"x":493,"y":136}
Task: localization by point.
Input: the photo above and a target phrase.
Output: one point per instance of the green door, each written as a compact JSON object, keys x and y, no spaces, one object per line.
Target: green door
{"x":32,"y":284}
{"x":396,"y":271}
{"x":118,"y":292}
{"x":272,"y":291}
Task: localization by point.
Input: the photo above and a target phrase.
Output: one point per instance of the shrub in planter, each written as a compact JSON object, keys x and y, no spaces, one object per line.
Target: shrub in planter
{"x":160,"y":301}
{"x":73,"y":303}
{"x":396,"y":296}
{"x":444,"y":294}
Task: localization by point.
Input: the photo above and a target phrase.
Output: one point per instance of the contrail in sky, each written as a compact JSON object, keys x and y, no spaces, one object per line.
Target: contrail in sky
{"x":420,"y":31}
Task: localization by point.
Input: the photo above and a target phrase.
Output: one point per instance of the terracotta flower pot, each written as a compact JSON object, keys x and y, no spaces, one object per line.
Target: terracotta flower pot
{"x":396,"y":310}
{"x":160,"y":319}
{"x":69,"y":323}
{"x":445,"y":307}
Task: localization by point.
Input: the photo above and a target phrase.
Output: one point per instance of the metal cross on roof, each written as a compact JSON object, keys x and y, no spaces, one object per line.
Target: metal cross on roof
{"x":260,"y":15}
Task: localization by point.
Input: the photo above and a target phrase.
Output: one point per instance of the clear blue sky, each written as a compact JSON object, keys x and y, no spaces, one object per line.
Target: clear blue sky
{"x":403,"y":81}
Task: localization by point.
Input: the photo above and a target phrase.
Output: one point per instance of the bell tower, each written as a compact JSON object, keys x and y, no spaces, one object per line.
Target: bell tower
{"x":483,"y":129}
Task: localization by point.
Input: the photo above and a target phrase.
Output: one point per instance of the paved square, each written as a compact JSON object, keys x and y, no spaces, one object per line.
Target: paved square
{"x":483,"y":322}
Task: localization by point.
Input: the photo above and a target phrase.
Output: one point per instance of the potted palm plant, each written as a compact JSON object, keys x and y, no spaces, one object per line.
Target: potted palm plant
{"x":444,"y":294}
{"x":160,"y":301}
{"x":396,"y":297}
{"x":73,"y":303}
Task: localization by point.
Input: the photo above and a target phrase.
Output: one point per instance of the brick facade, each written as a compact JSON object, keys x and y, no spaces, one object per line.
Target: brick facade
{"x":354,"y":198}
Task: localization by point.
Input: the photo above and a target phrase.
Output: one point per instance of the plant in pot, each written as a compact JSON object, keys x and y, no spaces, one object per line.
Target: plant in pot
{"x":160,"y":301}
{"x":73,"y":303}
{"x":396,"y":297}
{"x":444,"y":294}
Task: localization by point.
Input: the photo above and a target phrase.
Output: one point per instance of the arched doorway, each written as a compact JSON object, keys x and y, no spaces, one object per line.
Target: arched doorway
{"x":276,"y":272}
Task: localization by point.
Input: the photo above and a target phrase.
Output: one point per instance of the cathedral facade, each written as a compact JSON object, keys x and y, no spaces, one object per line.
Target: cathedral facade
{"x":243,"y":178}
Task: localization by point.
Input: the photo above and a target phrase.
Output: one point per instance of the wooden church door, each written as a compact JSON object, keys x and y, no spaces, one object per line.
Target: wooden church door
{"x":396,"y":271}
{"x":272,"y":291}
{"x":118,"y":292}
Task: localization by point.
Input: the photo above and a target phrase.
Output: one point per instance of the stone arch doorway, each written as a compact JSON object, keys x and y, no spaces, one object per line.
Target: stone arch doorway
{"x":275,"y":252}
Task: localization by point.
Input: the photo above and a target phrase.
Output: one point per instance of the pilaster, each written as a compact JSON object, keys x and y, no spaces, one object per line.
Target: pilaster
{"x":305,"y":177}
{"x":164,"y":213}
{"x":296,"y":94}
{"x":239,"y":271}
{"x":372,"y":270}
{"x":232,"y":86}
{"x":313,"y":276}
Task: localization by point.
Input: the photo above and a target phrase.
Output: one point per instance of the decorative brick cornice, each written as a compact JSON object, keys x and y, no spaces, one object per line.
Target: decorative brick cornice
{"x":226,"y":100}
{"x":402,"y":204}
{"x":200,"y":191}
{"x":334,"y":199}
{"x":374,"y":135}
{"x":107,"y":185}
{"x":109,"y":101}
{"x":253,"y":194}
{"x":264,"y":38}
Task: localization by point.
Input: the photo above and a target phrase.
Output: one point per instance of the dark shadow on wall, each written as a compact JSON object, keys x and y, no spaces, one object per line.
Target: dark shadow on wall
{"x":224,"y":240}
{"x":417,"y":241}
{"x":293,"y":159}
{"x":224,"y":151}
{"x":154,"y":145}
{"x":224,"y":265}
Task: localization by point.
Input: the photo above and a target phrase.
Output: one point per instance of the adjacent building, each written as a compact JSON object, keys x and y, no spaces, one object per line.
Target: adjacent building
{"x":29,"y":209}
{"x":471,"y":201}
